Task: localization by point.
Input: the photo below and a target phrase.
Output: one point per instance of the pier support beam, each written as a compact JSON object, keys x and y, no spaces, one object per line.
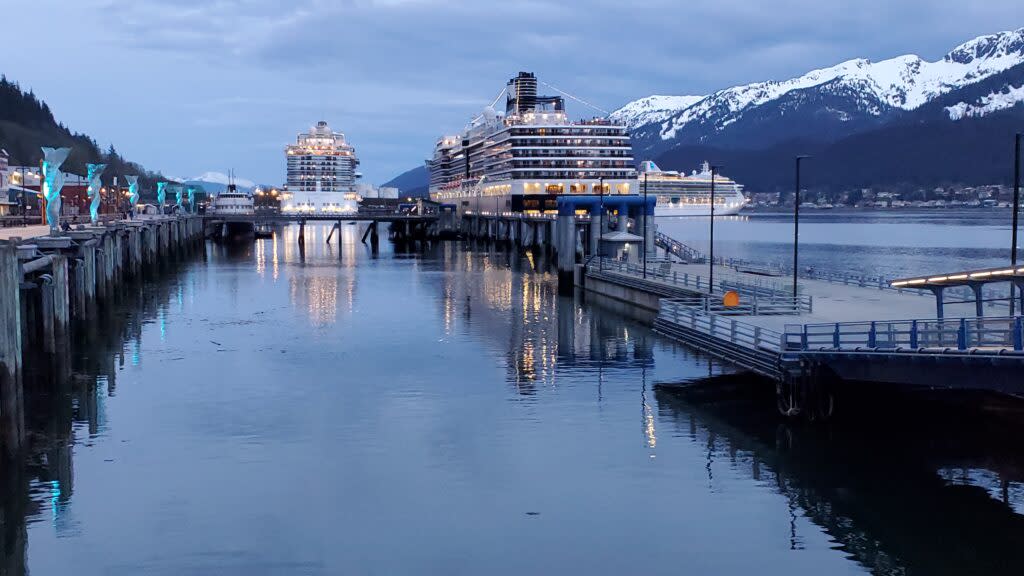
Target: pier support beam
{"x":11,"y":418}
{"x":565,"y":247}
{"x":979,"y":309}
{"x":938,"y":292}
{"x":61,"y":294}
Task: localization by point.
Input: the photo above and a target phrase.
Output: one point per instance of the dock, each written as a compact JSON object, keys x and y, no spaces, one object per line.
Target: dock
{"x":834,"y":331}
{"x":48,"y":281}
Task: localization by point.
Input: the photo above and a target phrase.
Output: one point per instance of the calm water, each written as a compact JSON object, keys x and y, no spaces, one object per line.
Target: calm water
{"x":261,"y":411}
{"x":891,"y":244}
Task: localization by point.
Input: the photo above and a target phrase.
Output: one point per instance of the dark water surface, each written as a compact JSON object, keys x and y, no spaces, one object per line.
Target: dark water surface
{"x":260,"y":411}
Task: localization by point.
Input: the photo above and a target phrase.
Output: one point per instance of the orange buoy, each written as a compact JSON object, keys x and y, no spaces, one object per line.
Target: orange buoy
{"x":731,"y":299}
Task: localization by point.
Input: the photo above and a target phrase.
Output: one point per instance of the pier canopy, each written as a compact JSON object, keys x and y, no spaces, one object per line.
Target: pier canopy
{"x":965,"y":278}
{"x":973,"y":279}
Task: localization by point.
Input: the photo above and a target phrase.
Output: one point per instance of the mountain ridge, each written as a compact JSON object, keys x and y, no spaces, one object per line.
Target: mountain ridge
{"x":858,"y":94}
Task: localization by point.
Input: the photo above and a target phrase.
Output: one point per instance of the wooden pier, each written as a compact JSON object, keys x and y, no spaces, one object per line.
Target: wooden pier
{"x":48,"y":281}
{"x":833,"y":332}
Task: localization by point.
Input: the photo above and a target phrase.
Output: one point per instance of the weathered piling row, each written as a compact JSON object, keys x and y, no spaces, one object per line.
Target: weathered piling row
{"x":48,"y":281}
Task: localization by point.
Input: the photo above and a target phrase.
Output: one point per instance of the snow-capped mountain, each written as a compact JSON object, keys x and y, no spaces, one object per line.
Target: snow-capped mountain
{"x":221,"y":179}
{"x":829,"y":103}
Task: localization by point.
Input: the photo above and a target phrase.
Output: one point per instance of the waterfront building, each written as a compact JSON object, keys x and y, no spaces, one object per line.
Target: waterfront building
{"x":523,"y":160}
{"x":321,"y":173}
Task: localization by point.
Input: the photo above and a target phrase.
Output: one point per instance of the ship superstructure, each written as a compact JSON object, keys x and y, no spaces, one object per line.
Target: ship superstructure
{"x":523,"y":160}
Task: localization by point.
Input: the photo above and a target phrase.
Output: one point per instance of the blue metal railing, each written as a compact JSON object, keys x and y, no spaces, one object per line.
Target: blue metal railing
{"x":961,"y":334}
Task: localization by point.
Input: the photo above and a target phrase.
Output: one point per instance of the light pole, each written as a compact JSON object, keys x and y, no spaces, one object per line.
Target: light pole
{"x":1016,"y":209}
{"x":600,"y":230}
{"x":711,"y":248}
{"x":796,"y":224}
{"x":645,"y":224}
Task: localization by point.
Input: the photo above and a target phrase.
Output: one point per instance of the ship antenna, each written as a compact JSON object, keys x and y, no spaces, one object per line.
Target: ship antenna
{"x":581,"y":101}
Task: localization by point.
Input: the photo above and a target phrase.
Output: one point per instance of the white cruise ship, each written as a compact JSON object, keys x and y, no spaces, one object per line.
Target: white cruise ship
{"x":322,"y":176}
{"x":682,"y":195}
{"x":523,"y":160}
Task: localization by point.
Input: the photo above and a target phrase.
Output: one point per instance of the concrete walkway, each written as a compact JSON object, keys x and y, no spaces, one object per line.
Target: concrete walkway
{"x":835,"y":302}
{"x":24,"y":231}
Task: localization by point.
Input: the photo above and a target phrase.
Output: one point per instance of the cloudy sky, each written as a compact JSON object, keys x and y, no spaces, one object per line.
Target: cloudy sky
{"x":186,"y":86}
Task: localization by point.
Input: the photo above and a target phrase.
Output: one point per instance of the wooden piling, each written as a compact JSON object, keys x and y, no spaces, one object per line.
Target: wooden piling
{"x":11,"y":418}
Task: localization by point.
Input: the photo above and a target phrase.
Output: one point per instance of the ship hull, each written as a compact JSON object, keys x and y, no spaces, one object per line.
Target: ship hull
{"x":695,"y":210}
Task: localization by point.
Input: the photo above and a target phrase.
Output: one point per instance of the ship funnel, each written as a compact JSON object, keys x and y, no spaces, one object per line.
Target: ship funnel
{"x":521,"y":94}
{"x":649,"y":166}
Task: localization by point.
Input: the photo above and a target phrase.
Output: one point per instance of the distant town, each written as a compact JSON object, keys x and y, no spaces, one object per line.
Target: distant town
{"x":952,"y":196}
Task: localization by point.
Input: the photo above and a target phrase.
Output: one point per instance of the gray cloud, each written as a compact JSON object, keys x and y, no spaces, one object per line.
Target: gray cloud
{"x":208,"y":84}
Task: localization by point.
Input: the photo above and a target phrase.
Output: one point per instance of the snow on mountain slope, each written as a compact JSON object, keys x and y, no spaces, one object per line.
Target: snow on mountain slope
{"x":985,"y":105}
{"x":905,"y":82}
{"x":653,"y":109}
{"x":222,"y":179}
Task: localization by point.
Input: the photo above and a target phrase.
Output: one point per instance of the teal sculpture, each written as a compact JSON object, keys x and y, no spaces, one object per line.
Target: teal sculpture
{"x":53,"y":182}
{"x":133,"y":190}
{"x":94,"y":189}
{"x":161,"y":195}
{"x":192,"y":199}
{"x":179,"y":191}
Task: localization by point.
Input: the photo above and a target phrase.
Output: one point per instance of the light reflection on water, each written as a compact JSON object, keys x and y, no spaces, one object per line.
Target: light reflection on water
{"x":333,"y":411}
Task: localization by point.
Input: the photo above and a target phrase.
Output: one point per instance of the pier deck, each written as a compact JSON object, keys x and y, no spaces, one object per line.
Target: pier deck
{"x":834,"y":331}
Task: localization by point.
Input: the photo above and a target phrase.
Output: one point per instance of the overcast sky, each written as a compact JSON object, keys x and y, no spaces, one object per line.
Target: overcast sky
{"x":186,"y":86}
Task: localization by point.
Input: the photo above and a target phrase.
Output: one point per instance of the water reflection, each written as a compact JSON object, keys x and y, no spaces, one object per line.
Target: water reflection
{"x":66,"y":397}
{"x":908,"y":493}
{"x":512,"y":300}
{"x":268,"y":411}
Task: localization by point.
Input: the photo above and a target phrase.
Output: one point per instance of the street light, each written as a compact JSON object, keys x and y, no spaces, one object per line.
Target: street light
{"x":1016,"y":209}
{"x":796,"y":224}
{"x":711,"y":249}
{"x":644,"y":209}
{"x":600,"y":230}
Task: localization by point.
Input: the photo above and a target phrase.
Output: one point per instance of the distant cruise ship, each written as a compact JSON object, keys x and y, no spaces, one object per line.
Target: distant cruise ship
{"x":682,"y":195}
{"x":522,"y":161}
{"x":321,"y":173}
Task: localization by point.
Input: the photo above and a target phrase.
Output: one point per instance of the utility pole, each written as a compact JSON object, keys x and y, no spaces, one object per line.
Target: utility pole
{"x":600,"y":231}
{"x":711,"y":249}
{"x":796,"y":226}
{"x":1016,"y":209}
{"x":645,"y":224}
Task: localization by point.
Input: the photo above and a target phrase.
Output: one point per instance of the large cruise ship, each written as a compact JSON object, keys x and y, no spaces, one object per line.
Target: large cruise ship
{"x":523,"y":160}
{"x":321,"y":173}
{"x":682,"y":195}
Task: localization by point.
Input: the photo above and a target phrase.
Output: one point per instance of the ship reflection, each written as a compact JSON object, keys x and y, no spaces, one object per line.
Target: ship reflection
{"x":513,"y":301}
{"x":899,"y":493}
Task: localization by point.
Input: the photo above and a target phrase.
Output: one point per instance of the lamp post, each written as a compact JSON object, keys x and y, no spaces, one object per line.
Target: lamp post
{"x":645,"y":224}
{"x":711,"y":248}
{"x":1016,"y":209}
{"x":796,"y":224}
{"x":600,"y":230}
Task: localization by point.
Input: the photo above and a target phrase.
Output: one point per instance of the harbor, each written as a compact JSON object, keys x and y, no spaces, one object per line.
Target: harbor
{"x":487,"y":342}
{"x":637,"y":326}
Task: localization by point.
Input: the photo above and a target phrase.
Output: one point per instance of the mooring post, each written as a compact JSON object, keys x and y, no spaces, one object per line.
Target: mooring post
{"x":61,"y":294}
{"x":46,"y":316}
{"x":11,"y":430}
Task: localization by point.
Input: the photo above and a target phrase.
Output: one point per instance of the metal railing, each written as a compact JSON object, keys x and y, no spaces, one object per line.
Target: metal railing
{"x":777,"y":305}
{"x":677,"y":248}
{"x":762,"y":290}
{"x":730,"y":330}
{"x":908,"y":335}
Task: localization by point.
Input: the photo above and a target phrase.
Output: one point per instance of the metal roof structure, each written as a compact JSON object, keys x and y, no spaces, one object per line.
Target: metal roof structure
{"x":974,"y":279}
